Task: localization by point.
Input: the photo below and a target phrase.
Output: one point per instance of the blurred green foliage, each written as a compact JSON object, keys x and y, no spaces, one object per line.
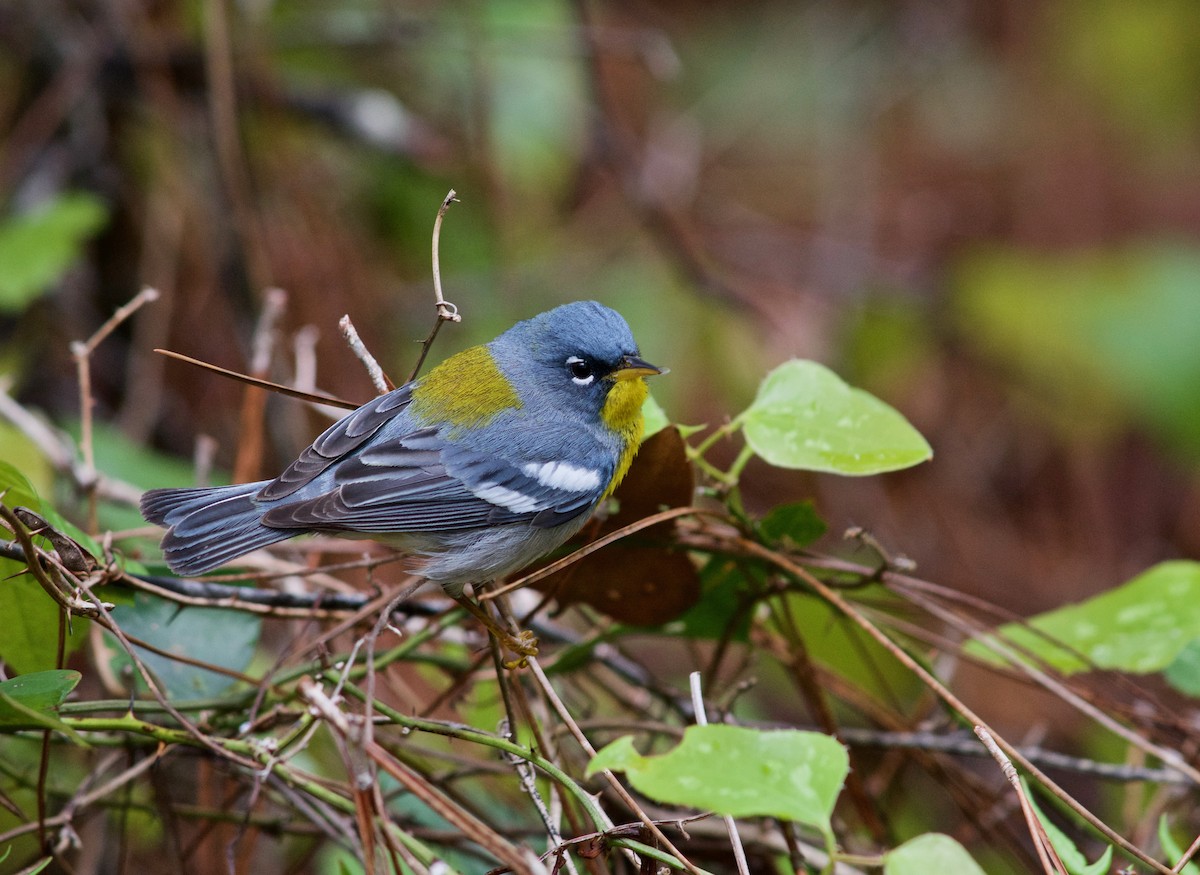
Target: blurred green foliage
{"x":37,"y":248}
{"x":982,"y":213}
{"x":1140,"y":61}
{"x":1142,"y":626}
{"x":221,"y":638}
{"x":1100,"y":339}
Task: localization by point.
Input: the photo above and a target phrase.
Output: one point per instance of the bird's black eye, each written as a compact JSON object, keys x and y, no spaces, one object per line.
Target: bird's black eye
{"x":581,"y":372}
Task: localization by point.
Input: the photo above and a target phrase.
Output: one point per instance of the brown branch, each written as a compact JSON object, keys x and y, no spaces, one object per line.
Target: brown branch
{"x":943,"y":692}
{"x":311,"y":397}
{"x":617,"y":786}
{"x":417,"y":785}
{"x":1041,"y":841}
{"x":81,"y":351}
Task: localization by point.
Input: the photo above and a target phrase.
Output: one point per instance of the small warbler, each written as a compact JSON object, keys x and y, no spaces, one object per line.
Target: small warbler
{"x":496,"y":457}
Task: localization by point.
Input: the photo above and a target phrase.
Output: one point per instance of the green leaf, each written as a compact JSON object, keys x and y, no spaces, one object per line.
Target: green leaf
{"x":1184,"y":671}
{"x":1070,"y":855}
{"x":25,"y":456}
{"x":212,"y":635}
{"x":30,"y":640}
{"x":932,"y":852}
{"x":798,"y":522}
{"x":722,"y":612}
{"x":1141,"y":626}
{"x":806,"y":417}
{"x":31,"y":700}
{"x":41,"y":690}
{"x":787,"y":774}
{"x":655,"y":416}
{"x":36,"y":249}
{"x":16,"y":489}
{"x":16,"y":715}
{"x":1172,"y":849}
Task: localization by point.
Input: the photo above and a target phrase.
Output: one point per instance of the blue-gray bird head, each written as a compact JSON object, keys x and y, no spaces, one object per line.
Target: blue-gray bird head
{"x":572,"y":356}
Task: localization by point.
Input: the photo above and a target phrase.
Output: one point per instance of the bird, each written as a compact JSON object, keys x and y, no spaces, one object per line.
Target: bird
{"x":494,"y":458}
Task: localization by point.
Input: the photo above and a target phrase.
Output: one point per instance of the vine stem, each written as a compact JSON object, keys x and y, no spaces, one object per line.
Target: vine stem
{"x":943,"y":692}
{"x":720,"y":432}
{"x":557,"y":704}
{"x":446,"y":312}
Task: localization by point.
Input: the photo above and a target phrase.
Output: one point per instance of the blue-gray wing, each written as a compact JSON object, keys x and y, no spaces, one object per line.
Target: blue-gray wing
{"x":366,"y":475}
{"x":338,"y":442}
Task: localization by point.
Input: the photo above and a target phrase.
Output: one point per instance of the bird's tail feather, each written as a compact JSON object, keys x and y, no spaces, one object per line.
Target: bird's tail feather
{"x":208,"y":527}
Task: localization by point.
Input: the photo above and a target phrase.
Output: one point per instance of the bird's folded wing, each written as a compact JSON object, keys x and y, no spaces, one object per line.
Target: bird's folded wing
{"x":344,"y":436}
{"x":421,"y":483}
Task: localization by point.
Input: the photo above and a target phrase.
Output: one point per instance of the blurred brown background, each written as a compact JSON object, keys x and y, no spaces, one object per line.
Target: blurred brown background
{"x":985,"y":212}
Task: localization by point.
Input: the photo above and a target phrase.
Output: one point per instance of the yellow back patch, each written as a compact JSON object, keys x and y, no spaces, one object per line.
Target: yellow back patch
{"x":467,"y":390}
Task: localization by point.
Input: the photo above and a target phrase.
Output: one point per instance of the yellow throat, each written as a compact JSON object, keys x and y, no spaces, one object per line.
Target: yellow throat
{"x":622,"y":413}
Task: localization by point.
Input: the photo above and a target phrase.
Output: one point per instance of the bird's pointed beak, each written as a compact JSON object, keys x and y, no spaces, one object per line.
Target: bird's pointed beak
{"x":636,"y":366}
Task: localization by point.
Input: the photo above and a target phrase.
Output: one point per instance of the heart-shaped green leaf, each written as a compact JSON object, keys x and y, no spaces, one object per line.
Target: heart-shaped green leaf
{"x":41,"y":690}
{"x":806,"y":416}
{"x":787,"y":774}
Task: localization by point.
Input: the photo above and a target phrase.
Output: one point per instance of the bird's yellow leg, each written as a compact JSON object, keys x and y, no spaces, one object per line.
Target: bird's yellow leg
{"x":523,"y":643}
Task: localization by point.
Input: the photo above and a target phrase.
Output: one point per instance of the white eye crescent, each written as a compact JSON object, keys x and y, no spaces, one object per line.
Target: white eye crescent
{"x":581,"y":372}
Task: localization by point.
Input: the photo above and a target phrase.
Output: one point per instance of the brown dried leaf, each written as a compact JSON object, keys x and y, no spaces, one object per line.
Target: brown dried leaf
{"x":638,"y":580}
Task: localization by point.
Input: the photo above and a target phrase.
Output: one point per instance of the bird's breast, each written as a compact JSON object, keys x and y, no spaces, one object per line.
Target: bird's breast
{"x":622,"y":415}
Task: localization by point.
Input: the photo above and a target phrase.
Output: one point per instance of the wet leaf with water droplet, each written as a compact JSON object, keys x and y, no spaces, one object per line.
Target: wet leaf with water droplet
{"x":740,"y":772}
{"x":806,"y":416}
{"x":1140,"y":626}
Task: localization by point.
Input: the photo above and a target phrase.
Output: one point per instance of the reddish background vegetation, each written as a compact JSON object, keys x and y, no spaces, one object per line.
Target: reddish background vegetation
{"x":947,"y":202}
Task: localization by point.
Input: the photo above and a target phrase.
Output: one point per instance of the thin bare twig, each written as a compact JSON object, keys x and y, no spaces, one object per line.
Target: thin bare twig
{"x":1169,"y":757}
{"x":739,"y":853}
{"x":1041,"y":842}
{"x":379,"y":379}
{"x":84,"y":800}
{"x":81,"y":351}
{"x":588,"y":549}
{"x":251,"y":422}
{"x":446,"y":312}
{"x":460,"y":818}
{"x":222,"y":94}
{"x":565,"y":715}
{"x":311,"y":397}
{"x":513,"y":695}
{"x":60,"y":451}
{"x":943,"y":692}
